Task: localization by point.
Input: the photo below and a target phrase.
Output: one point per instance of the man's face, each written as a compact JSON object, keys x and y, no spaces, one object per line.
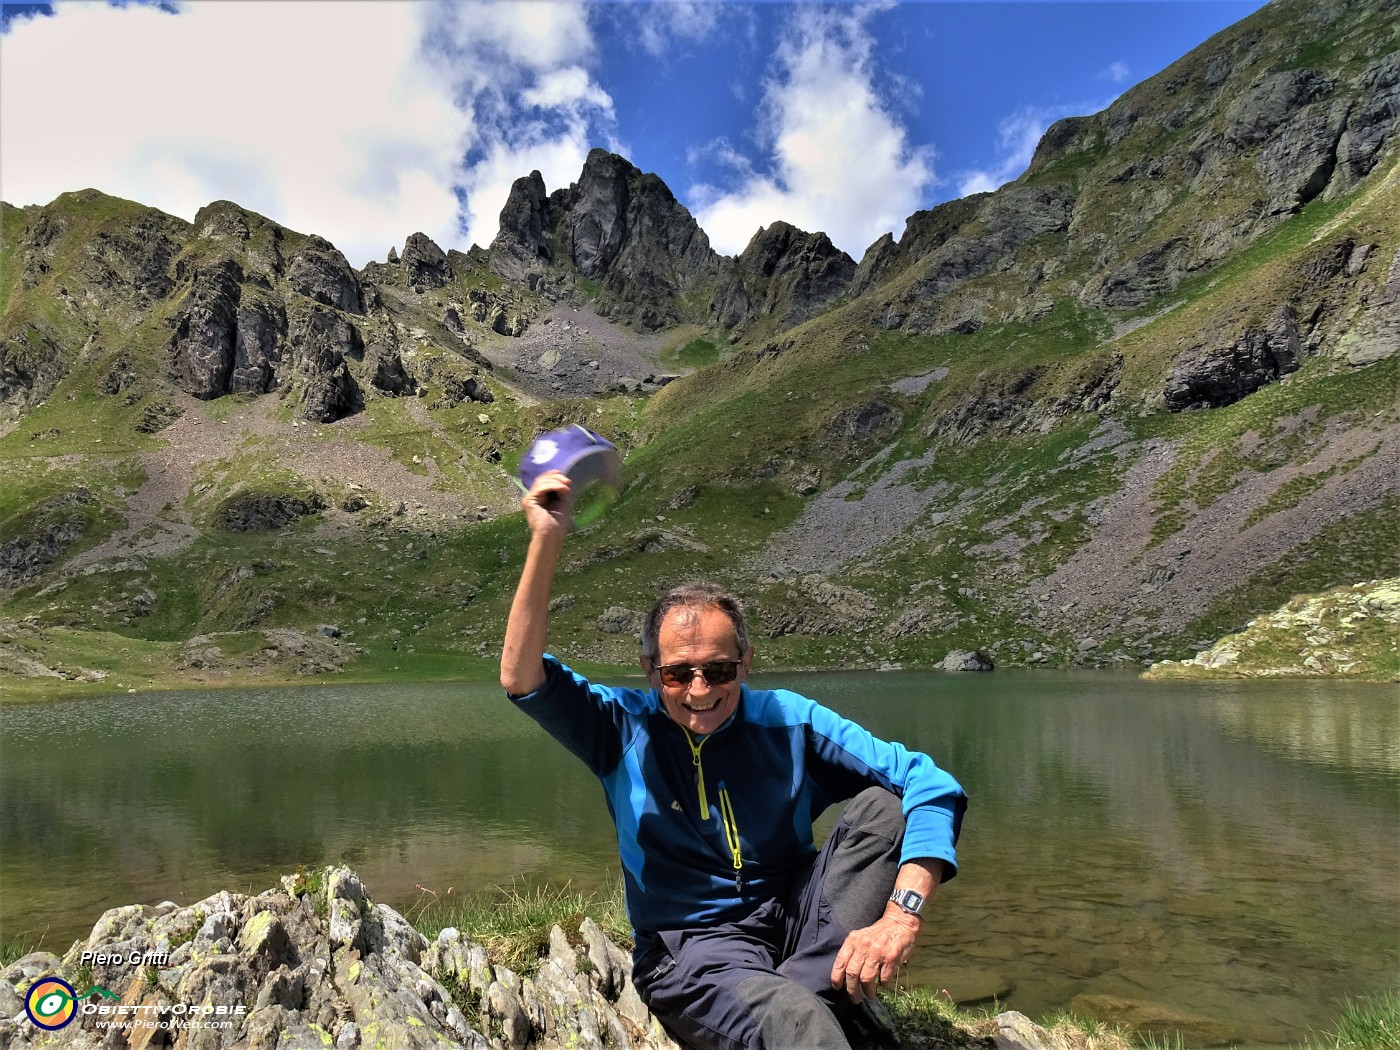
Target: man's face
{"x":697,"y":636}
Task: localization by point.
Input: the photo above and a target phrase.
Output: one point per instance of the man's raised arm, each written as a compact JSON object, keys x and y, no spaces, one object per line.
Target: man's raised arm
{"x":546,"y":508}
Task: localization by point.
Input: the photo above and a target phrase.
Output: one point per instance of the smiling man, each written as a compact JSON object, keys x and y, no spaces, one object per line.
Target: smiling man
{"x":747,"y":936}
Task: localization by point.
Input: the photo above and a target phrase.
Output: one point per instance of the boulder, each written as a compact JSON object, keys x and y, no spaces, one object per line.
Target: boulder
{"x":253,"y":511}
{"x":455,"y":390}
{"x":963,"y":660}
{"x":617,"y":619}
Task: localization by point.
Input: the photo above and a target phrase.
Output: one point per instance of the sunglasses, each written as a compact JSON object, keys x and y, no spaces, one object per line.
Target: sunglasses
{"x":716,"y":672}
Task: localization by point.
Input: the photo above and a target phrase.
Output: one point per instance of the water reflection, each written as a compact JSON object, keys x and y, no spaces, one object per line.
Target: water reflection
{"x":1229,"y":853}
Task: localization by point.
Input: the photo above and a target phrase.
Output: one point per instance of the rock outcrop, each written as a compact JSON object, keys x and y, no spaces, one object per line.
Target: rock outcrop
{"x":316,"y":962}
{"x":1247,"y":142}
{"x":52,"y":527}
{"x":424,"y":262}
{"x":1212,"y":377}
{"x":519,"y":251}
{"x":253,"y":511}
{"x":201,"y":350}
{"x":1347,"y":631}
{"x":1306,"y":320}
{"x":318,"y":271}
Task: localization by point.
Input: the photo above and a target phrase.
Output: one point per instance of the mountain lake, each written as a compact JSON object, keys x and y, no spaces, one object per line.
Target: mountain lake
{"x":1228,"y":852}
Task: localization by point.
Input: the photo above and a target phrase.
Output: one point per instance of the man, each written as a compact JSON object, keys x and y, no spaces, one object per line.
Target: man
{"x":747,"y":937}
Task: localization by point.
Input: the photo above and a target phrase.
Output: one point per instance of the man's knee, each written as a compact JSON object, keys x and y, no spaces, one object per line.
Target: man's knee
{"x":876,"y":812}
{"x":791,"y":1017}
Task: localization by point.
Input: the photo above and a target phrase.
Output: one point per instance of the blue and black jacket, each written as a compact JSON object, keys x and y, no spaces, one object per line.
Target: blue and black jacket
{"x":709,"y":827}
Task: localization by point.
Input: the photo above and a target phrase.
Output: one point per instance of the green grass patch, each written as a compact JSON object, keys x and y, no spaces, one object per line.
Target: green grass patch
{"x":513,"y":924}
{"x":13,"y":948}
{"x":1365,"y":1024}
{"x":697,"y":354}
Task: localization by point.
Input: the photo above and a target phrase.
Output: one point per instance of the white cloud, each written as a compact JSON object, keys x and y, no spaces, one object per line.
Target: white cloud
{"x":658,"y":24}
{"x":535,"y":106}
{"x":1117,"y":72}
{"x":837,"y":158}
{"x":1017,"y":137}
{"x":359,"y":121}
{"x":323,"y":116}
{"x":570,"y":89}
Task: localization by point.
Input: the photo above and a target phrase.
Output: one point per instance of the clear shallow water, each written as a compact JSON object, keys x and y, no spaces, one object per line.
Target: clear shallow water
{"x":1230,"y":851}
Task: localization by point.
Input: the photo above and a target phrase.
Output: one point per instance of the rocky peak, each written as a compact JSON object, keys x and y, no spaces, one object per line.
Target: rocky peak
{"x":519,"y":248}
{"x":618,"y":226}
{"x":424,"y":262}
{"x":319,"y":271}
{"x":783,"y":272}
{"x":222,"y":221}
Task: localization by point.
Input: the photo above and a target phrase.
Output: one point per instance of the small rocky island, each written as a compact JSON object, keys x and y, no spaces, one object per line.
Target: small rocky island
{"x":316,"y":963}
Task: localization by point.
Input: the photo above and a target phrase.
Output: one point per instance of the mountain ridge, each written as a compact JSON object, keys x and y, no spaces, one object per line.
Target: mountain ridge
{"x":1100,"y":415}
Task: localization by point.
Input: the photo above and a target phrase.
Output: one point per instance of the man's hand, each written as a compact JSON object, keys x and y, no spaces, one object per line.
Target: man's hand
{"x":874,"y":955}
{"x":547,"y":506}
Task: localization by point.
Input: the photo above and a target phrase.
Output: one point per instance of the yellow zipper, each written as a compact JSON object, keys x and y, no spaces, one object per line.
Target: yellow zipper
{"x":699,"y":772}
{"x":731,"y":831}
{"x":726,"y":808}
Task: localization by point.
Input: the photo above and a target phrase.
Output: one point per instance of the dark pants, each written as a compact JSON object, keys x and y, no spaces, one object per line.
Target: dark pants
{"x":764,"y":983}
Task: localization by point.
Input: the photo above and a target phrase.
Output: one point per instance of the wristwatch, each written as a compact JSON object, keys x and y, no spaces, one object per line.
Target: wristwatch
{"x":910,"y":900}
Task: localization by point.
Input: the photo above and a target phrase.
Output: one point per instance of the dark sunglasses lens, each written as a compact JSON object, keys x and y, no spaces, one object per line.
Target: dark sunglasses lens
{"x":676,"y":674}
{"x":720,"y":672}
{"x":716,"y":672}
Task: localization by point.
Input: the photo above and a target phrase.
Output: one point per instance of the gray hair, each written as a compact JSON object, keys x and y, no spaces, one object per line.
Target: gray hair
{"x":695,"y":596}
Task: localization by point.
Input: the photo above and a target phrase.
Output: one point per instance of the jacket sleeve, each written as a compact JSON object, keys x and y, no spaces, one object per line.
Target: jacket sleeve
{"x":587,"y":719}
{"x":845,"y":758}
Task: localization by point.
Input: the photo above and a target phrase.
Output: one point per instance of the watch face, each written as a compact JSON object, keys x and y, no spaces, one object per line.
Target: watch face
{"x":909,"y":900}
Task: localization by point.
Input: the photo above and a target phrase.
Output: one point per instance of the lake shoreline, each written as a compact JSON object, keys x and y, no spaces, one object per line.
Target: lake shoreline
{"x":20,"y":691}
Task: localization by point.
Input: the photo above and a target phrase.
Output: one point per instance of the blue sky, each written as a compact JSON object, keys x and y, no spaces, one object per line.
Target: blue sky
{"x":365,"y":121}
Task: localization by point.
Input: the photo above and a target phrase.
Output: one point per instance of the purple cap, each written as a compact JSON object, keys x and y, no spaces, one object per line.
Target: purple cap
{"x":586,"y":457}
